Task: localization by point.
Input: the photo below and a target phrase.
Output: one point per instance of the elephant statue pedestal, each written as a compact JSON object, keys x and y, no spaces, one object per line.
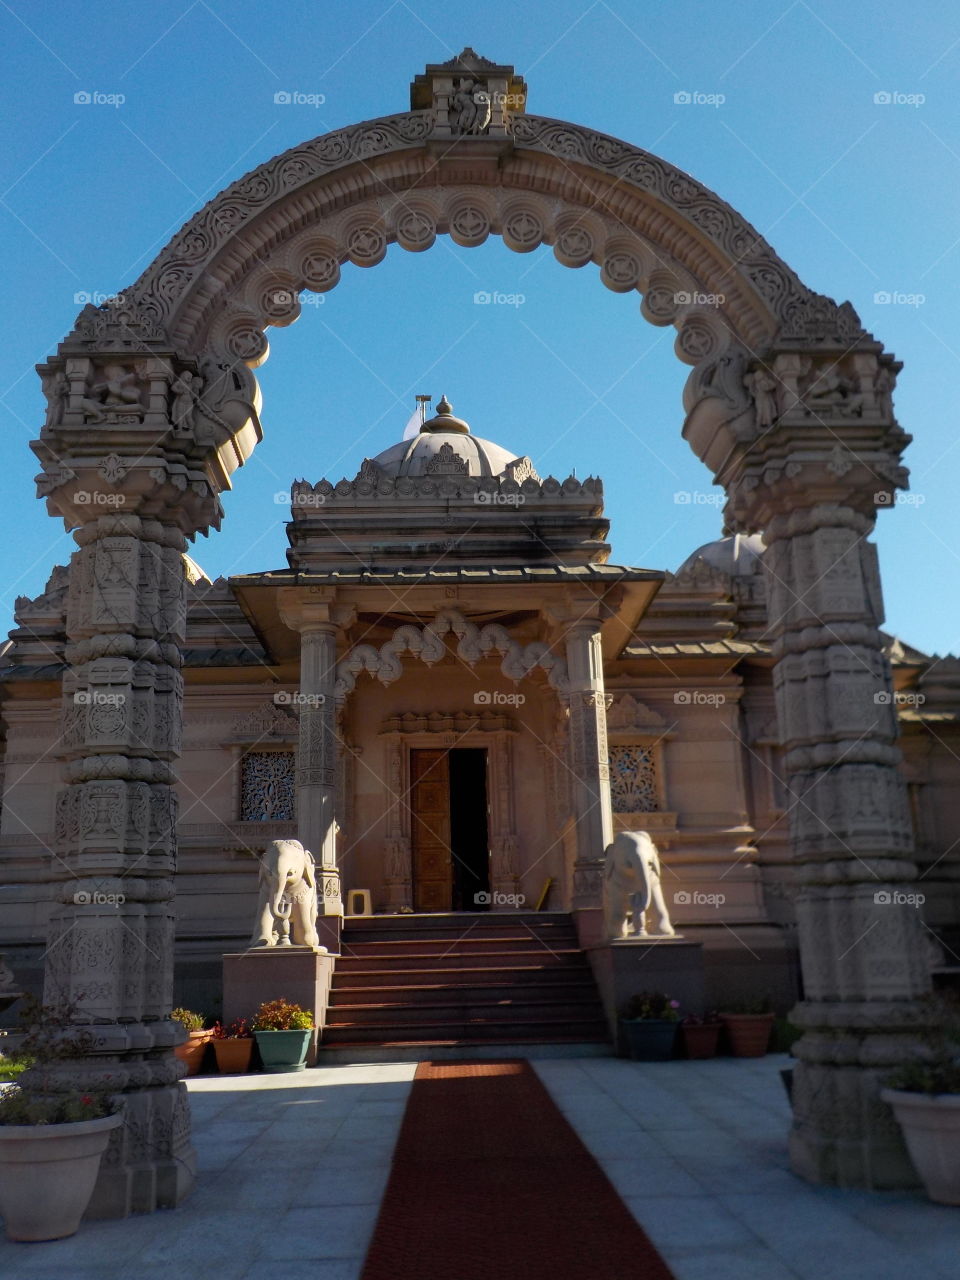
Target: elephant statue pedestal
{"x":630,"y":965}
{"x":299,"y":974}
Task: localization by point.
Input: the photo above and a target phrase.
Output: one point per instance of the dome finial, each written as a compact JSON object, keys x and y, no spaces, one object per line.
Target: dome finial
{"x":444,"y":419}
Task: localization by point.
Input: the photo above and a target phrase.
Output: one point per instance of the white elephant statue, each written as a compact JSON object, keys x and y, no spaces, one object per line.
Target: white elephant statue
{"x":288,"y":897}
{"x":631,"y":882}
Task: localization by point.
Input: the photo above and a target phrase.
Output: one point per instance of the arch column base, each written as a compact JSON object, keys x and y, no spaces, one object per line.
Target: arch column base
{"x":137,"y":1180}
{"x":842,"y":1134}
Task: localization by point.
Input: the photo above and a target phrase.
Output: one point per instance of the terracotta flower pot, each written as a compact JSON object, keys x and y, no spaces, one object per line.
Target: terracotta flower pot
{"x":700,"y":1041}
{"x":931,"y":1130}
{"x":193,"y":1049}
{"x":649,"y":1039}
{"x":283,"y":1050}
{"x":47,"y":1175}
{"x":748,"y":1033}
{"x":233,"y":1054}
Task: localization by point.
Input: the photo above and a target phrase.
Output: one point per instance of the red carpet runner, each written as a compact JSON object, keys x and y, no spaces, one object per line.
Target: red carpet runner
{"x":489,"y":1182}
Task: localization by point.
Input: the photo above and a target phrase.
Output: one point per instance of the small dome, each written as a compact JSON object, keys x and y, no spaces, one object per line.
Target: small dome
{"x":737,"y":556}
{"x":445,"y":446}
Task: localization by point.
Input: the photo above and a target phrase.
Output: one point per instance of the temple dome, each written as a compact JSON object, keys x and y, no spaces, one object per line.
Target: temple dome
{"x":737,"y":556}
{"x":445,"y":446}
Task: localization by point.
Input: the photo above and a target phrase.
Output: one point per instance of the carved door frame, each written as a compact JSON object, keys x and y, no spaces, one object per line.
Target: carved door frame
{"x":501,"y":828}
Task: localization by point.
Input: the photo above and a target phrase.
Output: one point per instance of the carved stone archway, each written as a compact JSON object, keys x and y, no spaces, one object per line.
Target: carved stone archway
{"x":152,"y":405}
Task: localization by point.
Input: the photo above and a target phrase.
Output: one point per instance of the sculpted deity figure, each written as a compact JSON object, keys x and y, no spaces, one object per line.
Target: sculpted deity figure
{"x":832,"y":391}
{"x":117,"y":390}
{"x":186,"y":393}
{"x":470,"y":107}
{"x":631,"y":883}
{"x":57,"y":392}
{"x":764,"y":388}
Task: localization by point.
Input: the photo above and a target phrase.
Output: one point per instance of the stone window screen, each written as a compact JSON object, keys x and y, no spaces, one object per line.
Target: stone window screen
{"x":633,"y":779}
{"x":267,"y":790}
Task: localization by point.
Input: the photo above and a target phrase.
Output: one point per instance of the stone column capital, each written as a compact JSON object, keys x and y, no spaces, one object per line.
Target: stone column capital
{"x":306,"y":612}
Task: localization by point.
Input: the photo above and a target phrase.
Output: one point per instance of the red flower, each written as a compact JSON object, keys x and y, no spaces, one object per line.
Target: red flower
{"x":86,"y":1100}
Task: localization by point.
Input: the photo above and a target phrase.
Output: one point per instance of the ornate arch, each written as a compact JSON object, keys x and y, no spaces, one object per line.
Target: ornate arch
{"x":427,"y":643}
{"x":152,"y":405}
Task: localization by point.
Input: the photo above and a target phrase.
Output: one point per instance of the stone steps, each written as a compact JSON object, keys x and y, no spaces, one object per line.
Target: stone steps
{"x":413,"y":982}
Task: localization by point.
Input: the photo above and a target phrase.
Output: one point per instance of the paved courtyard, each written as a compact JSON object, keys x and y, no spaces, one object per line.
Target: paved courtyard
{"x":293,"y":1168}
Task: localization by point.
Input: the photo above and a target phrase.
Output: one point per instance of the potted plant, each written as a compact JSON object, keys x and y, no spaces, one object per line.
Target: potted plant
{"x":195,"y":1046}
{"x":748,"y":1028}
{"x":283,"y":1033}
{"x":649,"y":1026}
{"x":700,"y":1036}
{"x":925,"y":1097}
{"x":51,"y":1140}
{"x":233,"y":1046}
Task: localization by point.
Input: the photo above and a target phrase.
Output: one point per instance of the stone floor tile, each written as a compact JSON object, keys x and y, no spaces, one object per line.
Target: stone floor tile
{"x":340,"y":1231}
{"x":688,"y":1221}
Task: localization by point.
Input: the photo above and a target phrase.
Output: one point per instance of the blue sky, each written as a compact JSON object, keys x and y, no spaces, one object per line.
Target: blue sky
{"x":859,"y":197}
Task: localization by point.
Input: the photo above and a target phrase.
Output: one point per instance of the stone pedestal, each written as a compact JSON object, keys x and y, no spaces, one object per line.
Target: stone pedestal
{"x":298,"y":974}
{"x":631,"y":965}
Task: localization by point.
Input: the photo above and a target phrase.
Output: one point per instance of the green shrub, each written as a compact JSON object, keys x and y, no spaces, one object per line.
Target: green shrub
{"x":188,"y":1019}
{"x":281,"y":1015}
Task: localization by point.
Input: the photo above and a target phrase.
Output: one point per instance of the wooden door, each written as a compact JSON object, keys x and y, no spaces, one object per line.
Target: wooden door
{"x":430,"y":826}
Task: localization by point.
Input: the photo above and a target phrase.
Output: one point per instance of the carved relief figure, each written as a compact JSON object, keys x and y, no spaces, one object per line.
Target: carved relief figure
{"x":631,"y":883}
{"x":764,"y":387}
{"x":830,"y":390}
{"x":186,"y":393}
{"x":470,"y":107}
{"x":57,"y":391}
{"x":118,"y":391}
{"x":288,"y":896}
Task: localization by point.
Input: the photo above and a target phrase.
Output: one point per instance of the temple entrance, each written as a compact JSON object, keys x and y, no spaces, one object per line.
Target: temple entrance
{"x":448,"y":803}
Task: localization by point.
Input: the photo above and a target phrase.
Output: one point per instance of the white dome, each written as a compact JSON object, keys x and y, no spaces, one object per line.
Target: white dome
{"x":737,"y":556}
{"x":445,"y":453}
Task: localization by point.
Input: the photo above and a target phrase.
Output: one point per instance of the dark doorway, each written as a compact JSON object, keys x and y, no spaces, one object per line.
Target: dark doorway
{"x":468,"y":829}
{"x":448,"y":800}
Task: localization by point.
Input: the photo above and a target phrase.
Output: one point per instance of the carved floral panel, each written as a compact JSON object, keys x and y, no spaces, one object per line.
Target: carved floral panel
{"x":267,"y":786}
{"x":633,"y":779}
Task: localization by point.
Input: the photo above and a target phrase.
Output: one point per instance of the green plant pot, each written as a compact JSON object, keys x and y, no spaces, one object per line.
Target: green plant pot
{"x":283,"y":1050}
{"x":649,"y":1039}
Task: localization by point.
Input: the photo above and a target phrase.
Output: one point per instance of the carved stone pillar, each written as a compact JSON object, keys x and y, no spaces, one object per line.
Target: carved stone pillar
{"x":504,"y":846}
{"x":589,"y":759}
{"x":318,"y":622}
{"x":133,"y":480}
{"x":397,"y":850}
{"x":812,"y":485}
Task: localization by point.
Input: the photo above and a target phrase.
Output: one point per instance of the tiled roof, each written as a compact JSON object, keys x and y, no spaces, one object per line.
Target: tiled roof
{"x":460,"y":573}
{"x":696,"y":649}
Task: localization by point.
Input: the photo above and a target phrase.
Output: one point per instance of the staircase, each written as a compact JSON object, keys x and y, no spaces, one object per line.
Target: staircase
{"x":449,"y":983}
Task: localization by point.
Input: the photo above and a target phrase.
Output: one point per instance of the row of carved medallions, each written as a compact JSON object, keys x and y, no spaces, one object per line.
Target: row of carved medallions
{"x":683,"y":200}
{"x":269,"y":292}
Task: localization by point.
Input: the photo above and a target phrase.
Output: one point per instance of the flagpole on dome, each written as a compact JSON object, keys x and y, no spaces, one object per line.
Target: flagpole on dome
{"x":417,"y":418}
